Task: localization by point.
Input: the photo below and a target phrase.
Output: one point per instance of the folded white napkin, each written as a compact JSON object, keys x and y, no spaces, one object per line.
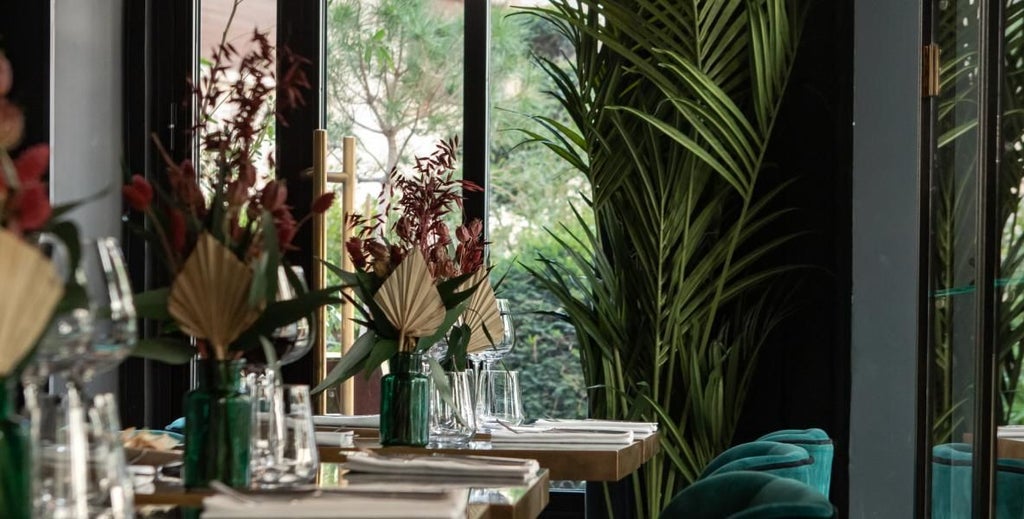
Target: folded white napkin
{"x":1011,"y":431}
{"x":443,"y":465}
{"x":640,"y":428}
{"x":342,"y":504}
{"x":334,"y":439}
{"x":364,"y":421}
{"x":533,"y":434}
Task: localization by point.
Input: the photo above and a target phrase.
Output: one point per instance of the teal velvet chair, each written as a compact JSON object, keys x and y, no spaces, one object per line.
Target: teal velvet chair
{"x":779,"y":459}
{"x":817,"y":443}
{"x":951,"y":483}
{"x":748,"y":495}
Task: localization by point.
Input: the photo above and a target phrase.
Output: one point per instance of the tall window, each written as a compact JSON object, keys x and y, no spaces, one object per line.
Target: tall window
{"x":394,"y":79}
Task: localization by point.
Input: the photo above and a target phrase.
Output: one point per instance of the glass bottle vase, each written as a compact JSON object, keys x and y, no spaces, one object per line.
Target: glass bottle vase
{"x":405,"y":402}
{"x":15,"y":482}
{"x":217,"y":425}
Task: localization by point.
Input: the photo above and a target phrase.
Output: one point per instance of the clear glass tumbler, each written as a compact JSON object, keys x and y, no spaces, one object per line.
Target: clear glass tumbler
{"x":499,"y":400}
{"x":453,"y":421}
{"x":283,"y":452}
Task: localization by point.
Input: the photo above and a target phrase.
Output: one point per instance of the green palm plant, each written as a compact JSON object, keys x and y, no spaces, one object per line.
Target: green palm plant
{"x":672,"y":104}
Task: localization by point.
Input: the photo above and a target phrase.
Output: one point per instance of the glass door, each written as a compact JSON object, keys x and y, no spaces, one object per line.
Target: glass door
{"x":974,"y":341}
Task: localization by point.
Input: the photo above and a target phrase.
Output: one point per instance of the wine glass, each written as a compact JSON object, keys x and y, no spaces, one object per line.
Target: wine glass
{"x":292,"y":341}
{"x":67,"y":337}
{"x":105,"y":277}
{"x":499,"y":349}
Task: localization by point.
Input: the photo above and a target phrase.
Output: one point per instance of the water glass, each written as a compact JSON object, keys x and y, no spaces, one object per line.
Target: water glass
{"x":114,"y":485}
{"x":283,"y":449}
{"x":498,"y":398}
{"x":453,"y":422}
{"x":79,"y":461}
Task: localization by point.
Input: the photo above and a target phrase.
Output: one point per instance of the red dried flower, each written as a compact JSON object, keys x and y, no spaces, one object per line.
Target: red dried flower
{"x":354,"y":247}
{"x":32,"y":162}
{"x":176,"y":230}
{"x":419,"y":219}
{"x":32,"y":206}
{"x":139,"y":193}
{"x":323,"y":203}
{"x":273,"y":196}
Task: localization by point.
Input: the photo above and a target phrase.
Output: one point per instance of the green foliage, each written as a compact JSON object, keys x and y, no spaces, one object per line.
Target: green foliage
{"x":395,"y":70}
{"x":672,"y":106}
{"x":546,"y":353}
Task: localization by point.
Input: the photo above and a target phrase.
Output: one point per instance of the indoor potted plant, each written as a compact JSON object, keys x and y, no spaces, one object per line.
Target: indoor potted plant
{"x":412,"y":284}
{"x":223,"y":247}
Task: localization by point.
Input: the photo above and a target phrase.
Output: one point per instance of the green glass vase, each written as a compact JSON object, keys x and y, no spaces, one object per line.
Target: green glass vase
{"x":15,"y":485}
{"x":217,"y":423}
{"x":405,"y":402}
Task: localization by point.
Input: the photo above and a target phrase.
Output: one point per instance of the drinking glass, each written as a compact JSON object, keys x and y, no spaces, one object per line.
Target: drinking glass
{"x":105,"y":277}
{"x":453,"y":423}
{"x":267,"y":427}
{"x":67,"y":337}
{"x":114,"y":488}
{"x":498,"y":398}
{"x":79,"y":468}
{"x":284,"y":441}
{"x":299,"y":452}
{"x":291,"y":341}
{"x":485,"y":359}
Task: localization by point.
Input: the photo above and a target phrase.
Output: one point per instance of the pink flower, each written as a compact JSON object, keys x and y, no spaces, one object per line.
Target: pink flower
{"x":139,"y":193}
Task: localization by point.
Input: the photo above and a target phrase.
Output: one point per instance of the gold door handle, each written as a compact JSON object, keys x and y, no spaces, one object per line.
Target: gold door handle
{"x":347,"y":179}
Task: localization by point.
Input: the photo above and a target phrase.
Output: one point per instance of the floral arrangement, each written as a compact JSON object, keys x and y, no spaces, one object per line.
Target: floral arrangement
{"x":414,"y":280}
{"x":32,"y":289}
{"x":24,"y":202}
{"x":223,"y":248}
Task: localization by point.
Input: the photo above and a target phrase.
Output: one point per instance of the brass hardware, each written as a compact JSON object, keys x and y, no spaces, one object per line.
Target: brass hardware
{"x":930,"y":66}
{"x":320,"y":251}
{"x":321,"y":178}
{"x":347,"y":178}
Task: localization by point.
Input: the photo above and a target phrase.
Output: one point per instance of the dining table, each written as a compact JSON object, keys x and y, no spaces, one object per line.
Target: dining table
{"x":574,"y":462}
{"x":524,"y":500}
{"x":605,"y":468}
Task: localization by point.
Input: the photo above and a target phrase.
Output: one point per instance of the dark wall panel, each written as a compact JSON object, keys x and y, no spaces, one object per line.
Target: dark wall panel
{"x":803,"y":376}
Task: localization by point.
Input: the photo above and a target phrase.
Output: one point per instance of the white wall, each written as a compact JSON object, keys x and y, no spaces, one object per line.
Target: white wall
{"x":86,"y":115}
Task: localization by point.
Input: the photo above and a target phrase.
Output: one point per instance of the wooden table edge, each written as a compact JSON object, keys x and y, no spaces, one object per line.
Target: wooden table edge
{"x":529,"y":506}
{"x":564,"y":464}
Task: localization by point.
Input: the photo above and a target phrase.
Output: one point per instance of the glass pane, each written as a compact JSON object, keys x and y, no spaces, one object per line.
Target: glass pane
{"x":531,"y":190}
{"x":1010,"y":334}
{"x":232,"y":22}
{"x":954,"y":223}
{"x":394,"y":72}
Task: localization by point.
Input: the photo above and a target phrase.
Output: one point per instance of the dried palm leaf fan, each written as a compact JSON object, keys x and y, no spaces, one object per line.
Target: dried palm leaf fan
{"x":210,"y":296}
{"x":31,"y":290}
{"x":410,"y":301}
{"x":482,"y":313}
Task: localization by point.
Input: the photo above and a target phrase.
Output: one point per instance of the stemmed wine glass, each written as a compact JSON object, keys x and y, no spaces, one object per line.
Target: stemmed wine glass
{"x":485,"y":359}
{"x":95,"y":330}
